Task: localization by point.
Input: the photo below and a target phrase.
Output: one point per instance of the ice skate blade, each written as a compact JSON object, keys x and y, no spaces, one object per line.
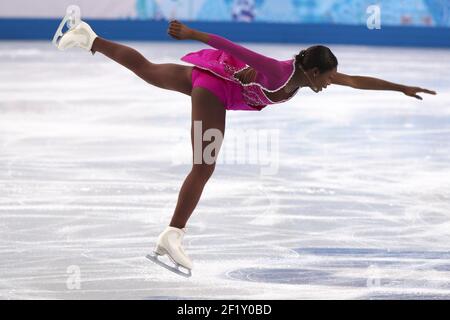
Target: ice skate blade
{"x":72,"y":19}
{"x":154,"y":258}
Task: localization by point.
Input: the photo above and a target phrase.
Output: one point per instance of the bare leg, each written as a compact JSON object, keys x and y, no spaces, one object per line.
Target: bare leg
{"x":207,"y":108}
{"x":168,"y":76}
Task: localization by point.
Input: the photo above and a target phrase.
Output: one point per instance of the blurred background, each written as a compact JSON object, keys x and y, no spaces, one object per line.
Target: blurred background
{"x":403,"y":22}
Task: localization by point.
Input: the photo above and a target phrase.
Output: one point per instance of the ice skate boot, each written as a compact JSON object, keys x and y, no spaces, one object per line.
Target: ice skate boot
{"x":79,"y":33}
{"x":170,"y":243}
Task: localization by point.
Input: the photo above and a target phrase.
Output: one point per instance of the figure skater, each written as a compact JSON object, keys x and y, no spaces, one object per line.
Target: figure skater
{"x":228,"y":77}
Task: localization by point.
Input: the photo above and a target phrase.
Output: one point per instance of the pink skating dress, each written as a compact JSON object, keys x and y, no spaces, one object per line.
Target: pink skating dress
{"x":227,"y":60}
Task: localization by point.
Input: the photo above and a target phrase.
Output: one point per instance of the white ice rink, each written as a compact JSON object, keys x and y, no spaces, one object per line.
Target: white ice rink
{"x":92,"y":158}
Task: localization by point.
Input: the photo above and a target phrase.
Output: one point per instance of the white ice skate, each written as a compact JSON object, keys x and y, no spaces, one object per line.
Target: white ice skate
{"x":169,"y":243}
{"x":79,"y":33}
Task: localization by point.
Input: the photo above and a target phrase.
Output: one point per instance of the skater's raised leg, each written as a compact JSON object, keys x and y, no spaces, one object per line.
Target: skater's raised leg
{"x":208,"y":109}
{"x":170,"y":76}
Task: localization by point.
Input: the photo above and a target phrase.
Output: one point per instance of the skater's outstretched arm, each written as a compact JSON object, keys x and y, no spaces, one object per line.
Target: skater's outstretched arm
{"x":370,"y":83}
{"x":265,"y":65}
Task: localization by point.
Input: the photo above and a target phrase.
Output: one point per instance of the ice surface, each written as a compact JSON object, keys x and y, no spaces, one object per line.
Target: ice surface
{"x":92,"y":159}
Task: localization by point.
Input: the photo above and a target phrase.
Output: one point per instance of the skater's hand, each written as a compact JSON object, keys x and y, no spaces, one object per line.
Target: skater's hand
{"x":412,"y":92}
{"x":179,"y":31}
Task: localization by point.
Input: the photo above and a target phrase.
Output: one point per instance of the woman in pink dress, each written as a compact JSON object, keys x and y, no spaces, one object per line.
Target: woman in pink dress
{"x":228,"y":77}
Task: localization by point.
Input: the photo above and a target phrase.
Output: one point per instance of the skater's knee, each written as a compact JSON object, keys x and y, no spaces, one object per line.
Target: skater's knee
{"x":203,"y":171}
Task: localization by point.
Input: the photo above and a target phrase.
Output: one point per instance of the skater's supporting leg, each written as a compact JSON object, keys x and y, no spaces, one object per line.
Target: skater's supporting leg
{"x":168,"y":76}
{"x":208,"y":109}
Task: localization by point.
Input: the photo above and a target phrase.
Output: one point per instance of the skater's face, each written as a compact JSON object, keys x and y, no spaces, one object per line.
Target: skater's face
{"x":320,"y":65}
{"x":324,"y":79}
